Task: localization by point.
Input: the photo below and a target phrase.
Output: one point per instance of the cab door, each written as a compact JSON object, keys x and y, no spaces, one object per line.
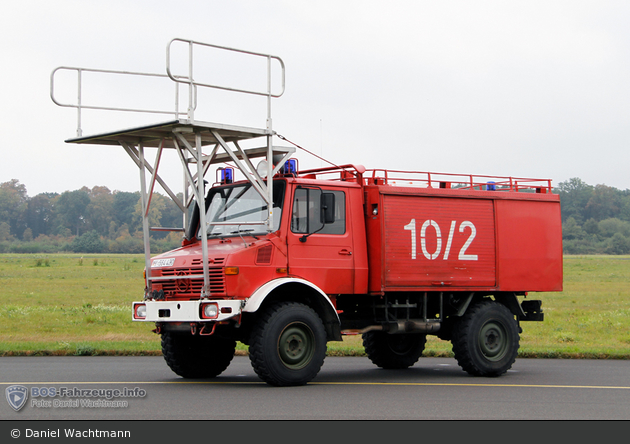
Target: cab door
{"x":321,"y":253}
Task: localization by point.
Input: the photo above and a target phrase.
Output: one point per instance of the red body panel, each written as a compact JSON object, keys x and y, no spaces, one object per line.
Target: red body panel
{"x":431,"y":239}
{"x":530,"y":245}
{"x":258,"y":260}
{"x":324,"y":260}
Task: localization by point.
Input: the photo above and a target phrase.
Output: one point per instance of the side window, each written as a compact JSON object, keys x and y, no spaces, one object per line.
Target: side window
{"x":306,"y":215}
{"x":339,"y":225}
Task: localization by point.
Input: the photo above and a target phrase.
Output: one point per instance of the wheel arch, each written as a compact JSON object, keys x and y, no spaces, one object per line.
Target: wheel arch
{"x":508,"y":299}
{"x":297,"y":290}
{"x":511,"y":302}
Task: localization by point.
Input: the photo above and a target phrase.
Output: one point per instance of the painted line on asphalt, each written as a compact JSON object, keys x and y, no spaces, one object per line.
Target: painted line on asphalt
{"x":385,"y":384}
{"x":446,"y":384}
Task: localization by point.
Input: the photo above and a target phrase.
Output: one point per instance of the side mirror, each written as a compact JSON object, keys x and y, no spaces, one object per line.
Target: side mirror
{"x":327,"y":205}
{"x":326,"y":212}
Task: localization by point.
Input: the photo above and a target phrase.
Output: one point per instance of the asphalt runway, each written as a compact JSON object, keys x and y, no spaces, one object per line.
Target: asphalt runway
{"x":345,"y":389}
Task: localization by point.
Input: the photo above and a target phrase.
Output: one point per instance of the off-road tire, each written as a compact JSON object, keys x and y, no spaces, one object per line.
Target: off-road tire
{"x":397,"y":351}
{"x":197,"y":356}
{"x":288,"y":344}
{"x":486,"y":339}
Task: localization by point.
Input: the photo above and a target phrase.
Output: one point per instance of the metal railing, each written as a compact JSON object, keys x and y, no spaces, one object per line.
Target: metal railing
{"x":188,"y":79}
{"x":79,"y":105}
{"x":457,"y":181}
{"x":423,"y":179}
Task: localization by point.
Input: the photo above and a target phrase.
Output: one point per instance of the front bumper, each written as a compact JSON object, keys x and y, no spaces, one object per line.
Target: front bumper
{"x":184,"y":311}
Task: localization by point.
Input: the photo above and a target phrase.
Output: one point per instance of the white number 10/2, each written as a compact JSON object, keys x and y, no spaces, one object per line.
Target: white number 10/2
{"x":462,"y":256}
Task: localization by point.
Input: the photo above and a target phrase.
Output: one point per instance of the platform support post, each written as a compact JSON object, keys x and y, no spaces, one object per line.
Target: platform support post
{"x":201,"y":199}
{"x":145,"y":219}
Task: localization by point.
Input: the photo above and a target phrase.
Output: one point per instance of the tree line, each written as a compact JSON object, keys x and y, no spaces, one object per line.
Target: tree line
{"x":595,"y":220}
{"x":87,"y":220}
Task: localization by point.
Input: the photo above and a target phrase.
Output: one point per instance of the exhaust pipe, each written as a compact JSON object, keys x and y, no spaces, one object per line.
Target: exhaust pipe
{"x":411,"y":326}
{"x":400,"y":327}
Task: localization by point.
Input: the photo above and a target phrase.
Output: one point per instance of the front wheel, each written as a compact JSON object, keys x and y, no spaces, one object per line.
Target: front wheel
{"x":288,"y":345}
{"x":486,"y":340}
{"x":197,"y":356}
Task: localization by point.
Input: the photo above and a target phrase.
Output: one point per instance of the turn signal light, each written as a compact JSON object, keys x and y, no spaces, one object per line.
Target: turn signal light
{"x":231,"y":271}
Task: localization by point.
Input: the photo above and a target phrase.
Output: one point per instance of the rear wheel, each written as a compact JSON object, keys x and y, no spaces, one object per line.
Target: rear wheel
{"x":393,"y":351}
{"x":486,"y":340}
{"x":288,"y":345}
{"x":197,"y":356}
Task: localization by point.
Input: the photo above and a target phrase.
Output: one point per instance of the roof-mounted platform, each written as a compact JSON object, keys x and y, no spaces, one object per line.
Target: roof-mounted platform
{"x":188,"y":137}
{"x":163,"y":134}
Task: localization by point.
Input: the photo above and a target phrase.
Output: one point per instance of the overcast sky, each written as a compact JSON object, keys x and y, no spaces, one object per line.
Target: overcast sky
{"x":535,"y":89}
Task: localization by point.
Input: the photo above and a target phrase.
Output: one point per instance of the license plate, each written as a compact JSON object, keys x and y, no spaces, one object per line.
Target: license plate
{"x":163,"y":262}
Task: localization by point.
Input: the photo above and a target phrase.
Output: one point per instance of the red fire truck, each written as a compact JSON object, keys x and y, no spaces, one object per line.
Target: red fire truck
{"x":285,"y":260}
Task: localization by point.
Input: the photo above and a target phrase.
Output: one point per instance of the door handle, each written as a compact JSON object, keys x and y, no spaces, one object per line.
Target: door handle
{"x":345,"y":252}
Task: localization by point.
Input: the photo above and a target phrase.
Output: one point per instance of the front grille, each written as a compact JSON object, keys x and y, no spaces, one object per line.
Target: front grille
{"x":215,"y":261}
{"x":181,"y":288}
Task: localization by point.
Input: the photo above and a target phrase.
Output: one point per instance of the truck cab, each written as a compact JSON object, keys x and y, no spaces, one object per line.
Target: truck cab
{"x":316,"y":250}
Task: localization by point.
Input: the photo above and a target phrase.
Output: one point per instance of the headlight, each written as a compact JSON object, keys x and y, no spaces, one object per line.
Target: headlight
{"x":209,"y":311}
{"x":140,"y":311}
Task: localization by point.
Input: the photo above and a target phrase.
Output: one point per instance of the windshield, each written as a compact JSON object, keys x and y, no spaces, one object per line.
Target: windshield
{"x":239,"y":205}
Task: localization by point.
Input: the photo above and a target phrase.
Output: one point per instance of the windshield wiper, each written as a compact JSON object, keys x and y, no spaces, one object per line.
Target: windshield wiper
{"x":249,"y":230}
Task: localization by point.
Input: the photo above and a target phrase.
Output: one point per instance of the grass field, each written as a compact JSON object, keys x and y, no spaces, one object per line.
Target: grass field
{"x":80,"y":305}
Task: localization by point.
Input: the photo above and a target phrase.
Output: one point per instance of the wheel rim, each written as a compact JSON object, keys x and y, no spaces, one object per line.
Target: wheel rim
{"x":296,"y":345}
{"x":493,"y":341}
